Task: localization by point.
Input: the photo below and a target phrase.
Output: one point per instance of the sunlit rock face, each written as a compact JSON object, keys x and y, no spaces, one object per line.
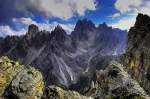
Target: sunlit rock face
{"x":18,"y":81}
{"x":115,"y":83}
{"x":137,"y":58}
{"x":62,"y":58}
{"x":25,"y":82}
{"x":54,"y":92}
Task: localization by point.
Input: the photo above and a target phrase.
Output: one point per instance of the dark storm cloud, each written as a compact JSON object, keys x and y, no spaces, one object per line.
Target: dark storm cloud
{"x":13,"y":9}
{"x":7,"y":10}
{"x":62,"y":9}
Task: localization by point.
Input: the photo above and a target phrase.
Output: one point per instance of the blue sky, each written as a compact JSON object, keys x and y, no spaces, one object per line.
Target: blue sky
{"x":16,"y":15}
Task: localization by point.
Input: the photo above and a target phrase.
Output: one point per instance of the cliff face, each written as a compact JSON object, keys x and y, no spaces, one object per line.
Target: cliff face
{"x":137,"y":57}
{"x":115,"y":83}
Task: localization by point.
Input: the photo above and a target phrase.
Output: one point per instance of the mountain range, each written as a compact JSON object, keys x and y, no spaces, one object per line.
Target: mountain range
{"x":63,"y":59}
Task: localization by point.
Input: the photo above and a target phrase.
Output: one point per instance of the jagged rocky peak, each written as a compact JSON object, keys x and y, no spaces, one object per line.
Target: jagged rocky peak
{"x":59,"y":29}
{"x":82,"y":29}
{"x":32,"y":29}
{"x":103,"y":25}
{"x":58,"y":33}
{"x":142,"y":20}
{"x":84,"y":24}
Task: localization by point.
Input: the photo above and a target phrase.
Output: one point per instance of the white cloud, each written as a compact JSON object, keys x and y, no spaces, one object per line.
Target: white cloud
{"x":133,"y":6}
{"x":7,"y":30}
{"x":145,"y":9}
{"x":127,"y":5}
{"x":63,"y":9}
{"x":115,"y":15}
{"x":67,"y":27}
{"x":44,"y":26}
{"x":125,"y":23}
{"x":25,"y":21}
{"x":130,"y":8}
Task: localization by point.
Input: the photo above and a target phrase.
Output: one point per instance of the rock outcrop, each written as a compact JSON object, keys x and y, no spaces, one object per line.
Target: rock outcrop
{"x":18,"y":81}
{"x":54,"y":92}
{"x":25,"y":82}
{"x":115,"y":83}
{"x":137,"y":57}
{"x":8,"y":70}
{"x":28,"y":84}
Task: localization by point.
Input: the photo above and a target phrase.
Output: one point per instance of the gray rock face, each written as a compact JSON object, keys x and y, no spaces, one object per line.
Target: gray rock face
{"x":24,"y":82}
{"x":62,"y":58}
{"x":8,"y":70}
{"x":115,"y":83}
{"x":27,"y":84}
{"x":54,"y":92}
{"x":137,"y":59}
{"x":18,"y":81}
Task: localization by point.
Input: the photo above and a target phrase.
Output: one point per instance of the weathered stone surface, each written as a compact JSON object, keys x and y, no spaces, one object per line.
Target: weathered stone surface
{"x":18,"y":81}
{"x":137,"y":58}
{"x":32,"y":30}
{"x":53,"y":92}
{"x":8,"y":70}
{"x":115,"y":83}
{"x":28,"y":84}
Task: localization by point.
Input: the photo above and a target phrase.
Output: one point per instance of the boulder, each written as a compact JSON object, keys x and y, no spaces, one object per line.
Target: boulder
{"x":8,"y":70}
{"x":54,"y":92}
{"x":115,"y":83}
{"x":28,"y":84}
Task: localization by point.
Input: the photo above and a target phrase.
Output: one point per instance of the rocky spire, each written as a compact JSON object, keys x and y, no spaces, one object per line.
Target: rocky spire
{"x":104,"y":26}
{"x":58,"y":27}
{"x":138,"y":51}
{"x":142,"y":20}
{"x":59,"y":33}
{"x":32,"y":29}
{"x":84,"y":24}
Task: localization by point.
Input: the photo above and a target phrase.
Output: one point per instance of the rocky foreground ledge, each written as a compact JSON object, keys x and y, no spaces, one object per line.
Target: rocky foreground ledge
{"x":19,"y":81}
{"x":24,"y":82}
{"x":115,"y":83}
